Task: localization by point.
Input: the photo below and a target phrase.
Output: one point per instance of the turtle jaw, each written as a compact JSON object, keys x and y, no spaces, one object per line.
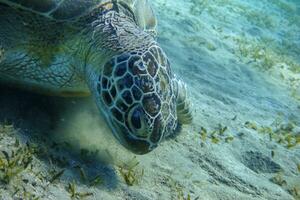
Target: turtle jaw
{"x":135,"y":91}
{"x":131,"y":143}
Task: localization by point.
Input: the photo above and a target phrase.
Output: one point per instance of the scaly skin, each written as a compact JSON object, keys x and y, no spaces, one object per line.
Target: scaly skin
{"x":103,"y":53}
{"x":40,"y":54}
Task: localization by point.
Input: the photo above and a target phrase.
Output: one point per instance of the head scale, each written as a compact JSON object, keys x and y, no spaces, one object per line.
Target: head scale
{"x":137,"y":90}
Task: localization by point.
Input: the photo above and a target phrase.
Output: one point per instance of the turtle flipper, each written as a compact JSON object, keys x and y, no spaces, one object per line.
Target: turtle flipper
{"x":145,"y":16}
{"x":184,"y":113}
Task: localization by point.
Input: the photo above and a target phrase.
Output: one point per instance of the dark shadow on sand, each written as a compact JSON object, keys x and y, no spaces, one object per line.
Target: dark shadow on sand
{"x":37,"y":117}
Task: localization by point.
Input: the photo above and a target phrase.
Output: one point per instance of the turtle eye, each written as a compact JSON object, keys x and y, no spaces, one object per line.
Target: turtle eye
{"x":136,"y":121}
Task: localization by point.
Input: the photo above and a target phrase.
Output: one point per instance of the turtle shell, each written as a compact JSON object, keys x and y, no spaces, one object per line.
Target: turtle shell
{"x":56,"y":9}
{"x":71,"y":9}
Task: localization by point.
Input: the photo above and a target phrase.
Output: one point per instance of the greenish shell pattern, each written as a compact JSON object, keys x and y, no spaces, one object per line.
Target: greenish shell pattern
{"x":68,"y":10}
{"x":56,"y":9}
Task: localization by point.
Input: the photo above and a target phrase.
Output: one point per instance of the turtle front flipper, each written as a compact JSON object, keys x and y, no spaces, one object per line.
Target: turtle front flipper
{"x":144,"y":15}
{"x":184,"y":113}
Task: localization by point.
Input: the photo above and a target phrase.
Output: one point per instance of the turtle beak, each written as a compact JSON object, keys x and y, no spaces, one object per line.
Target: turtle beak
{"x":132,"y":144}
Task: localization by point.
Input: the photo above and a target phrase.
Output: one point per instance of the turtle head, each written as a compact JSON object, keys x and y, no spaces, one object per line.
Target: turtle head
{"x":135,"y":90}
{"x":137,"y":96}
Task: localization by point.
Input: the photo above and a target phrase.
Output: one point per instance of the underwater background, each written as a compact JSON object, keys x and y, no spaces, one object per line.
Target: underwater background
{"x":241,"y":63}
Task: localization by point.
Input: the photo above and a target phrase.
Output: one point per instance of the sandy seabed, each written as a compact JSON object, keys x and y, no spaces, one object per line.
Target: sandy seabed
{"x":240,"y":61}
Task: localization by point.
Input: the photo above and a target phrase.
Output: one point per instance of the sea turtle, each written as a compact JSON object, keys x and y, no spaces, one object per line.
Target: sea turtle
{"x":106,"y":48}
